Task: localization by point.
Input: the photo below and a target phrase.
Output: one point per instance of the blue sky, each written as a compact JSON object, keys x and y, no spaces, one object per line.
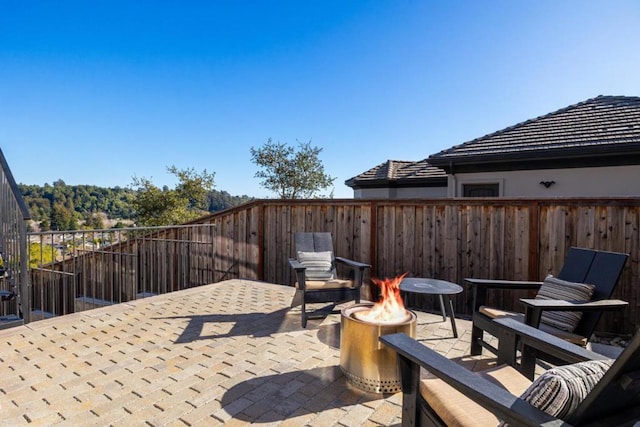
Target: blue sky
{"x":96,"y":92}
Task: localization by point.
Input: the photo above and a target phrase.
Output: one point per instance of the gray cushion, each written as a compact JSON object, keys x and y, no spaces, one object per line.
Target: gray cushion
{"x":557,"y":289}
{"x":318,"y":265}
{"x":560,"y":390}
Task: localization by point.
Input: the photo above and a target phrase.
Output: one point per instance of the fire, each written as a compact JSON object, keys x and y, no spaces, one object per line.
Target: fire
{"x":390,"y":307}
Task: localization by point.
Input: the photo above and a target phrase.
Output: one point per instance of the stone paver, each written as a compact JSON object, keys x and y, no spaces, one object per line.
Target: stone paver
{"x":229,"y":353}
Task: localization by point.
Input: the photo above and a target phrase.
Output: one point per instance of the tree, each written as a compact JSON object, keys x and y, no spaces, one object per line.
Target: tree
{"x":41,"y":254}
{"x":289,"y":173}
{"x":188,"y":201}
{"x":63,"y":218}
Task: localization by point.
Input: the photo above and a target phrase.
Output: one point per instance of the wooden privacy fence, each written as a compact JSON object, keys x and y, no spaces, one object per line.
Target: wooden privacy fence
{"x":450,"y":239}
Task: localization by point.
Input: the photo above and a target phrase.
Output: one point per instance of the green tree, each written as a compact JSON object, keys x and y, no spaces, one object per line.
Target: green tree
{"x":291,"y":173}
{"x":94,"y":221}
{"x":41,"y":254}
{"x":45,"y":225}
{"x":62,"y":218}
{"x":85,"y":200}
{"x":187,"y":201}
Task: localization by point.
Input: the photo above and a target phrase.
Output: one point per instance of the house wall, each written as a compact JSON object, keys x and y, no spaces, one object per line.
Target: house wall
{"x":401,"y":193}
{"x":614,"y":181}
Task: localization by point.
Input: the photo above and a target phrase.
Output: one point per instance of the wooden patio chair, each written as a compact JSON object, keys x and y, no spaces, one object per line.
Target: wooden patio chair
{"x":317,"y":278}
{"x":573,"y":318}
{"x":591,"y":390}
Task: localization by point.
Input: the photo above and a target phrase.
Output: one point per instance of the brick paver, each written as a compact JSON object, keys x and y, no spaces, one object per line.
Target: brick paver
{"x":228,"y":353}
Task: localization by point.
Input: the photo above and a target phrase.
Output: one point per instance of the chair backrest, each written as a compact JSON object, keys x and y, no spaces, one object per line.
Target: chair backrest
{"x":617,"y":391}
{"x":576,"y":264}
{"x":313,"y":242}
{"x":599,"y":268}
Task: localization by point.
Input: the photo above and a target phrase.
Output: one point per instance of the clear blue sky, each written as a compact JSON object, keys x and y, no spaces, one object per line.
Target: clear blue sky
{"x":95,"y":92}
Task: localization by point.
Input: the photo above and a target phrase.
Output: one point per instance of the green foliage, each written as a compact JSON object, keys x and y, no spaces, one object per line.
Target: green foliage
{"x":79,"y":199}
{"x":221,"y":200}
{"x":41,"y":254}
{"x":63,"y":218}
{"x":186,"y":202}
{"x":87,"y":202}
{"x":93,"y":221}
{"x":289,"y":173}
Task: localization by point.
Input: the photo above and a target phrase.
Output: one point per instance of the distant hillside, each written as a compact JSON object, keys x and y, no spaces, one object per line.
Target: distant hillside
{"x":67,"y":207}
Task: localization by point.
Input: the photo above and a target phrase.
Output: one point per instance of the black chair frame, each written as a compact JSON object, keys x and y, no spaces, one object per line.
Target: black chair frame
{"x":615,"y":400}
{"x":599,"y":268}
{"x":323,"y":242}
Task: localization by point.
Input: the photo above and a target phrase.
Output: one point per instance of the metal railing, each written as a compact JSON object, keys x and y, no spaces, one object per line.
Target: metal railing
{"x":54,"y":273}
{"x":74,"y":271}
{"x":13,"y":251}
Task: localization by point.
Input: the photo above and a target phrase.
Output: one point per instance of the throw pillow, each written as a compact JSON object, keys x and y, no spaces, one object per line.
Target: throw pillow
{"x":560,"y":390}
{"x":558,"y":289}
{"x":318,"y":264}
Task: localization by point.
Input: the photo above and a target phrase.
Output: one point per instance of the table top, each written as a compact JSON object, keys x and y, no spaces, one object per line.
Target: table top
{"x":425,"y":285}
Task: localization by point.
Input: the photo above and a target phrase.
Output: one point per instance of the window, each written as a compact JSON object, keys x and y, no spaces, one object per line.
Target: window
{"x":481,"y":190}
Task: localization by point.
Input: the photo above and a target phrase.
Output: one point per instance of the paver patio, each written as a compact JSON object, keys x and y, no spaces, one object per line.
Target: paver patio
{"x":229,"y":353}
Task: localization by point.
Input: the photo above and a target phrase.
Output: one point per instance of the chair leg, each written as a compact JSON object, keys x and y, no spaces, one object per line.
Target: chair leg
{"x":304,"y":313}
{"x":476,"y":339}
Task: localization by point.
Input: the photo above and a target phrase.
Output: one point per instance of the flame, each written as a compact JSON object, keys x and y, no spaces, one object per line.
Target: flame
{"x":390,"y":307}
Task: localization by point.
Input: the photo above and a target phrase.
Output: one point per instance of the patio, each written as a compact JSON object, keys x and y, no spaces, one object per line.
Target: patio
{"x":229,"y":353}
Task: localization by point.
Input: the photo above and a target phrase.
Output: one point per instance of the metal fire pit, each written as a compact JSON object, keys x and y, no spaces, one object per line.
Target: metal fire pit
{"x":367,"y":363}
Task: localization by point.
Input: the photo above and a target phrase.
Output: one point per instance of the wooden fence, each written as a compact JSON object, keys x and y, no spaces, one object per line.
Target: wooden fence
{"x":442,"y":238}
{"x":518,"y":239}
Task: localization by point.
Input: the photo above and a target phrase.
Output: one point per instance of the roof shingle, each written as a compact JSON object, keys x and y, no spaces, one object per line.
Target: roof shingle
{"x":608,"y":124}
{"x":393,"y":171}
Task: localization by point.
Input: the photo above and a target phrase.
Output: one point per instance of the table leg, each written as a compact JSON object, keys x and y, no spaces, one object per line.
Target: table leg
{"x":444,"y":315}
{"x":449,"y":305}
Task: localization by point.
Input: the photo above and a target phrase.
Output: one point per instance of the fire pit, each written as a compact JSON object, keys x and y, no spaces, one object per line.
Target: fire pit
{"x":366,"y":363}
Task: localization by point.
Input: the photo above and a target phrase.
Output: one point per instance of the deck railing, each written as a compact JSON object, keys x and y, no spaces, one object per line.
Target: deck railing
{"x":13,"y":250}
{"x":79,"y":270}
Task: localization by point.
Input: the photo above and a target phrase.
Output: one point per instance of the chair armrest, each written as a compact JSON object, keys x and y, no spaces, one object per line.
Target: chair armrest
{"x":563,"y":305}
{"x":537,"y":339}
{"x":535,"y":307}
{"x":300,"y":273}
{"x":351,"y":263}
{"x":296,"y":265}
{"x":512,"y":333}
{"x":482,"y":391}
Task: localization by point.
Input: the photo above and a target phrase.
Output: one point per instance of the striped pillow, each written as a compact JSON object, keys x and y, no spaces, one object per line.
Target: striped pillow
{"x":318,"y":264}
{"x":554,"y":288}
{"x":560,"y":390}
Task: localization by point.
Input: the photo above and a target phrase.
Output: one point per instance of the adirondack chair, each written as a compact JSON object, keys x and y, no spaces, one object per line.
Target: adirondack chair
{"x":599,"y":391}
{"x":316,"y":274}
{"x":583,"y":266}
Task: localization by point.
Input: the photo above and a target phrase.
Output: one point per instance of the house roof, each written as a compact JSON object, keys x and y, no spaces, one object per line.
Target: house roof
{"x":394,"y":172}
{"x":599,"y":130}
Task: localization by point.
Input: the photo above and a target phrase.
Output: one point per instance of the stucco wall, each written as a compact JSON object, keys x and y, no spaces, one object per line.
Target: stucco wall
{"x":401,"y":193}
{"x":613,"y":181}
{"x":579,"y":182}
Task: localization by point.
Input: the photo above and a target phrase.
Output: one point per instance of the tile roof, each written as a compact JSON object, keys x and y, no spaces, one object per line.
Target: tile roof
{"x":394,"y":171}
{"x":608,"y":125}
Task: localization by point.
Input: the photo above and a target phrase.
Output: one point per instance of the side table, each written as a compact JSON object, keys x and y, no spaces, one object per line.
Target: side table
{"x":442,"y":288}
